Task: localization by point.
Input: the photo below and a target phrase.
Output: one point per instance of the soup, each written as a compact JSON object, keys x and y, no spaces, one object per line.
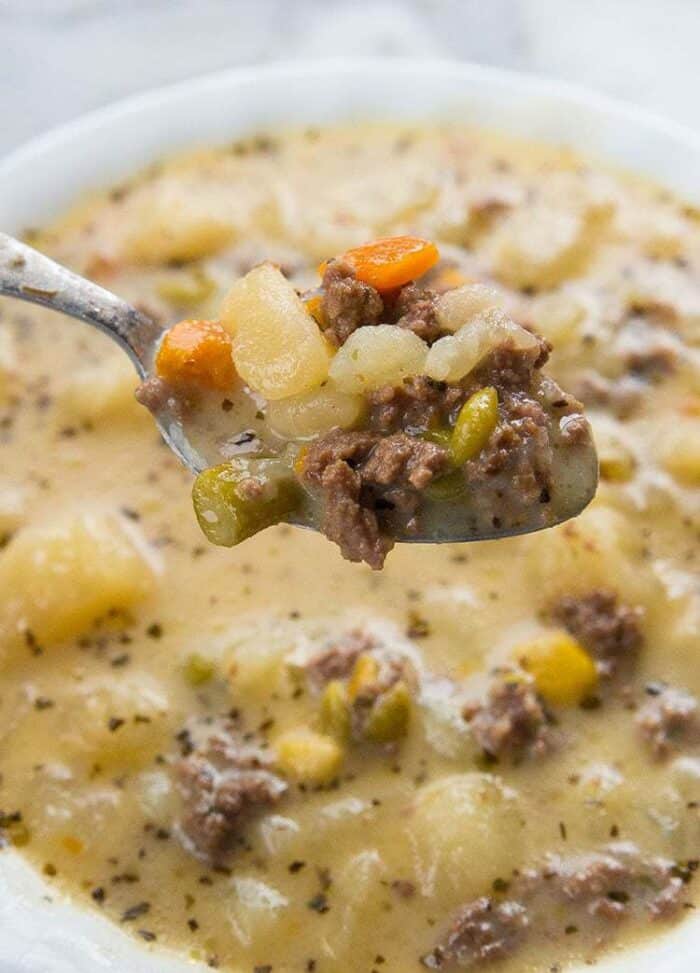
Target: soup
{"x":268,"y":758}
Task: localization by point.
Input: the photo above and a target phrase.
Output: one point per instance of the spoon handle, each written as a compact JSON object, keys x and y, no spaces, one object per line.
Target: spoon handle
{"x":30,"y":276}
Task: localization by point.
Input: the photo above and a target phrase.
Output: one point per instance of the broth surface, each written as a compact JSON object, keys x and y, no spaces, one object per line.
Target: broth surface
{"x":119,"y":625}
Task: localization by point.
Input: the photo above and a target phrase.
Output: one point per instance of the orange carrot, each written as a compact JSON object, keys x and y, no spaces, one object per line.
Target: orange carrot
{"x":391,"y":262}
{"x":196,"y":353}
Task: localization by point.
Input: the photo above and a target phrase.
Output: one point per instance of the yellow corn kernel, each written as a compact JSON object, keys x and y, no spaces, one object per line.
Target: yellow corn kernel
{"x":310,"y":757}
{"x":475,"y":423}
{"x":616,"y":466}
{"x":563,"y":672}
{"x":390,"y":715}
{"x":198,"y":670}
{"x":334,"y":715}
{"x":364,"y":674}
{"x":72,"y":844}
{"x":681,"y":456}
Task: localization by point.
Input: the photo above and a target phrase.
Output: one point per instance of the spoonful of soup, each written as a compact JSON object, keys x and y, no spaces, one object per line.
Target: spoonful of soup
{"x":381,"y":406}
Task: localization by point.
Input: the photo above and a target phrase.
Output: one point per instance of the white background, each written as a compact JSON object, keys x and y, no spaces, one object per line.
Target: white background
{"x":59,"y":58}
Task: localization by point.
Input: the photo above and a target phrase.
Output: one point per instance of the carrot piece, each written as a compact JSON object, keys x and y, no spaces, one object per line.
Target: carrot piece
{"x":196,"y":353}
{"x":392,"y":261}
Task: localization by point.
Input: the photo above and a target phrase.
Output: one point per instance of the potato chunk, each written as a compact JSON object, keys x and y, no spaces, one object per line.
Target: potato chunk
{"x":102,"y":392}
{"x":461,"y":304}
{"x":454,"y":356}
{"x":305,"y":416}
{"x":467,"y":831}
{"x":278,"y":348}
{"x":375,"y":356}
{"x":56,"y":580}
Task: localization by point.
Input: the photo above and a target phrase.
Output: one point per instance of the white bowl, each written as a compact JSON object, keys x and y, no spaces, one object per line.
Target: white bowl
{"x":40,"y":932}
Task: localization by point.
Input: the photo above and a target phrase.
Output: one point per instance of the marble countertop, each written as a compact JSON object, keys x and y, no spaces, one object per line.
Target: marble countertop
{"x":59,"y":58}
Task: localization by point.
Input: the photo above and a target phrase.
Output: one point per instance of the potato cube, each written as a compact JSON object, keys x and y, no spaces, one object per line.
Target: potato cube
{"x":375,"y":356}
{"x":56,"y":580}
{"x":315,"y":413}
{"x":175,"y":226}
{"x":681,"y":454}
{"x":278,"y":348}
{"x":100,"y":393}
{"x":454,"y":356}
{"x":457,"y":307}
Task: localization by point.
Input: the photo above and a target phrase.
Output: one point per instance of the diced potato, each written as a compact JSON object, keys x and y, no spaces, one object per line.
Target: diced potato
{"x":457,"y":307}
{"x":557,"y":316}
{"x":454,"y":356}
{"x":278,"y":348}
{"x":12,"y":509}
{"x":186,"y":288}
{"x":564,"y":673}
{"x":308,"y":756}
{"x":56,"y":580}
{"x":117,"y":722}
{"x":175,"y":226}
{"x":306,"y":416}
{"x":466,"y":830}
{"x":376,"y":356}
{"x":100,"y":393}
{"x":541,"y":245}
{"x":681,"y":454}
{"x":254,"y":910}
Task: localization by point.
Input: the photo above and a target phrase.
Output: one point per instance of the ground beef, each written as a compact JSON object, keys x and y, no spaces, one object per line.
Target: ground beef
{"x":222,"y":784}
{"x":616,"y":882}
{"x":510,"y":367}
{"x":347,"y":303}
{"x":670,"y":719}
{"x":514,"y":470}
{"x":416,"y":405}
{"x":336,"y":660}
{"x":157,"y":396}
{"x":597,"y":889}
{"x":611,"y":632}
{"x":416,"y":310}
{"x":369,"y":486}
{"x":482,"y":930}
{"x":512,"y":723}
{"x":622,"y":397}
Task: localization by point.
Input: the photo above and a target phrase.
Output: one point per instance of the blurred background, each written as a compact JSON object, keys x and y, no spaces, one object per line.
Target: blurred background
{"x":59,"y":58}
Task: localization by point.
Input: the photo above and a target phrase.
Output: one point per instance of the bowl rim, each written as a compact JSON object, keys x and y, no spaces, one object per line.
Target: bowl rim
{"x":82,"y":939}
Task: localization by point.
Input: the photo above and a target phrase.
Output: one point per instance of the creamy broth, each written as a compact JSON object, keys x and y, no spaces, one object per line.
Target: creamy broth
{"x":119,"y":625}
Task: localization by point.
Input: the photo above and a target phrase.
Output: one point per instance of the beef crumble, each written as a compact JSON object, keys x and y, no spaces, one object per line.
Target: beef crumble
{"x":222,"y":784}
{"x":336,"y":660}
{"x":669,"y":720}
{"x":597,"y":890}
{"x":363,"y":479}
{"x":610,"y":631}
{"x":416,"y":310}
{"x":512,"y":723}
{"x":347,"y":303}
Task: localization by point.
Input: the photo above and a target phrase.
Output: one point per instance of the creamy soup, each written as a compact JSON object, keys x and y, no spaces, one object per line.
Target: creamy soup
{"x":270,"y":759}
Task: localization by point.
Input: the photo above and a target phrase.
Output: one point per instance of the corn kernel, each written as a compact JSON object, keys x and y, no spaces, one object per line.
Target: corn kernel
{"x":311,"y":757}
{"x":72,"y":844}
{"x":563,"y":672}
{"x":364,"y":674}
{"x":198,"y":670}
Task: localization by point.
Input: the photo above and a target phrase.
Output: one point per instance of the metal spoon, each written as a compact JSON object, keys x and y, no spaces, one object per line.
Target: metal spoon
{"x":30,"y":276}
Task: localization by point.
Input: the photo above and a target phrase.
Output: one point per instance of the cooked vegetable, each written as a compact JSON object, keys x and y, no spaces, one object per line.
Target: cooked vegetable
{"x":475,"y":423}
{"x":564,"y":673}
{"x":237,"y":499}
{"x":390,"y":715}
{"x":198,"y":669}
{"x":278,"y":347}
{"x":391,"y":262}
{"x":334,"y":715}
{"x":187,"y":288}
{"x":196,"y":353}
{"x":364,"y":674}
{"x":375,"y":356}
{"x":314,"y":413}
{"x":308,"y":756}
